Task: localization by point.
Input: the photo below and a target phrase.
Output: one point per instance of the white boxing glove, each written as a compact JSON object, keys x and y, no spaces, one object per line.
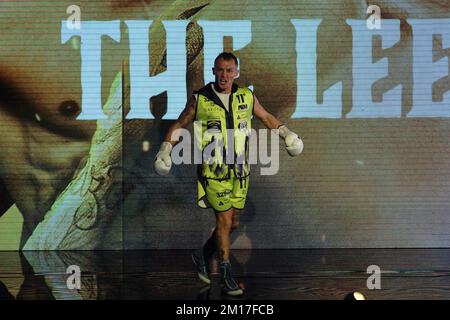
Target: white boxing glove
{"x":294,"y":145}
{"x":163,"y":161}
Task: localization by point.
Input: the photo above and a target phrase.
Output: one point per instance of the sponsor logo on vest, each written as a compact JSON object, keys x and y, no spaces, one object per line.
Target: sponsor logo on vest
{"x":242,"y":125}
{"x":214,"y":125}
{"x":242,"y":107}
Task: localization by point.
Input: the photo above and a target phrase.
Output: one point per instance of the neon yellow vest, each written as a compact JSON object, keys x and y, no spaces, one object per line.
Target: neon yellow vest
{"x":212,"y":122}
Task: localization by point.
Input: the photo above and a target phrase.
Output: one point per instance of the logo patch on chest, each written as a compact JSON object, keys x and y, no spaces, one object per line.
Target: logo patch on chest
{"x":214,"y":125}
{"x":242,"y":125}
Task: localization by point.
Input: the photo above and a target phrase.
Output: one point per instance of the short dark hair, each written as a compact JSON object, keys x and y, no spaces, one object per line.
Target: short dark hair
{"x":226,"y":56}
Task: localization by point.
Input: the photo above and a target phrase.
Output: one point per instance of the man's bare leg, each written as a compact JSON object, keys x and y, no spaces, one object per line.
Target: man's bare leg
{"x":224,"y":221}
{"x":210,"y":246}
{"x":202,"y":256}
{"x":224,"y":224}
{"x":219,"y":240}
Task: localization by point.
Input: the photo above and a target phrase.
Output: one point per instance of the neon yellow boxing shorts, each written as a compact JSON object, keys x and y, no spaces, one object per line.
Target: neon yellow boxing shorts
{"x":222,"y":195}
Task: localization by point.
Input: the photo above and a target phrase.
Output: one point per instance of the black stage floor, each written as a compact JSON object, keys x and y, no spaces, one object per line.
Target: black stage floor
{"x":290,"y":274}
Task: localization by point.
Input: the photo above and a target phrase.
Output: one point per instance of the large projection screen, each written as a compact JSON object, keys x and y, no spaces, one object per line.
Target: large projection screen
{"x":89,"y":90}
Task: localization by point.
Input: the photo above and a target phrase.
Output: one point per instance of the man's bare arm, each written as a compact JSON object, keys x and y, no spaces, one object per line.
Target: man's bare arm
{"x":269,"y":120}
{"x":186,"y":117}
{"x":294,"y":144}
